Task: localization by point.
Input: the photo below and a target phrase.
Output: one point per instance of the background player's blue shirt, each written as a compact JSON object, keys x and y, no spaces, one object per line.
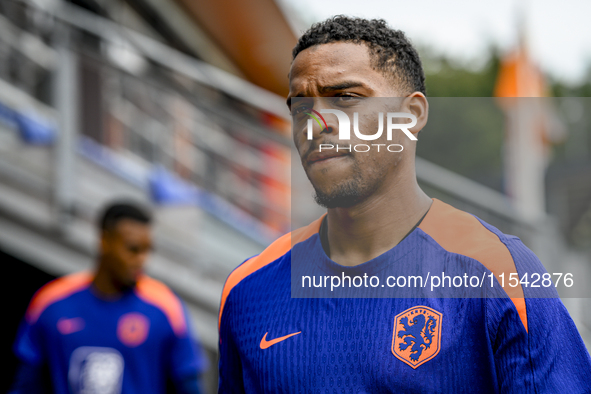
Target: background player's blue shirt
{"x":273,"y":343}
{"x":132,"y":344}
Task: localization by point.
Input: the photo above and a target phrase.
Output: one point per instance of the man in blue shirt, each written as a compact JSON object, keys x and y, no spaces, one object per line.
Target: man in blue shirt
{"x":112,"y":331}
{"x":388,"y":248}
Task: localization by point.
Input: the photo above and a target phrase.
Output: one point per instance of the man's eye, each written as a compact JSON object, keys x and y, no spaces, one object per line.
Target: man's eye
{"x":300,"y":110}
{"x":347,"y":99}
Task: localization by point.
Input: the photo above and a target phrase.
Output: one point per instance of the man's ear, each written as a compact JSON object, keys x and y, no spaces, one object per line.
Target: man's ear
{"x":417,"y":104}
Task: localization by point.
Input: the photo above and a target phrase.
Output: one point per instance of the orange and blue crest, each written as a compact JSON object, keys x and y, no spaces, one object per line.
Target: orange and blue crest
{"x":417,"y":335}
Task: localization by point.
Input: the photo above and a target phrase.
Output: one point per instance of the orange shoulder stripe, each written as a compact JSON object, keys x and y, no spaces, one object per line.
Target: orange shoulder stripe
{"x":54,"y":291}
{"x":459,"y":232}
{"x":277,"y":249}
{"x":158,"y":294}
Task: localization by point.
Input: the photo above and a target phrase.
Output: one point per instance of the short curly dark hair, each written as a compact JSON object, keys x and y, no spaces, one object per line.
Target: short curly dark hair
{"x":392,"y":53}
{"x":120,"y":210}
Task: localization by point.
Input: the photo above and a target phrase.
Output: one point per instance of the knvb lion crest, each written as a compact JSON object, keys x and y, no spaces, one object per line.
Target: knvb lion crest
{"x":417,"y":335}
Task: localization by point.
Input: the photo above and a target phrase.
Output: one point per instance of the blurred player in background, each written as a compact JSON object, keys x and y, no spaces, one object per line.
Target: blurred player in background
{"x":112,"y":331}
{"x":379,"y":219}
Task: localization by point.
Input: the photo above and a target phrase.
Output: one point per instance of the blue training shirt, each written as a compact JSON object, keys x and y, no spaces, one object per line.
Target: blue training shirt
{"x":510,"y":340}
{"x":130,"y":345}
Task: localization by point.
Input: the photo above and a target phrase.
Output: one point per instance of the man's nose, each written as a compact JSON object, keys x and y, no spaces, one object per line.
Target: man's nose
{"x":320,"y":124}
{"x":315,"y":131}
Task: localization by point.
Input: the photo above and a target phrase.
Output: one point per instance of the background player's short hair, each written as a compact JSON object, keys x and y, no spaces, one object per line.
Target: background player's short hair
{"x":120,"y":210}
{"x":392,"y":53}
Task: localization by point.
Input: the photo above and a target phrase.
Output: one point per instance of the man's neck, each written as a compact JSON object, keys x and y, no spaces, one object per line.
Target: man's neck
{"x":374,"y":226}
{"x":104,"y":286}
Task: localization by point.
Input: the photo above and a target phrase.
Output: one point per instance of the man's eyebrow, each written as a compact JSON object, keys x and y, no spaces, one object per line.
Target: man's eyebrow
{"x":341,"y":86}
{"x":332,"y":88}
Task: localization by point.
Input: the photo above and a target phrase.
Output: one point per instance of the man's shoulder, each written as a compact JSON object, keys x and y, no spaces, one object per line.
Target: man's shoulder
{"x":160,"y":296}
{"x":57,"y":290}
{"x":464,"y":234}
{"x":272,"y":253}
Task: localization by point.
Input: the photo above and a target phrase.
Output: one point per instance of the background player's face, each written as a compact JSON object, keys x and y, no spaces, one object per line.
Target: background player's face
{"x":343,"y":70}
{"x":125,"y":250}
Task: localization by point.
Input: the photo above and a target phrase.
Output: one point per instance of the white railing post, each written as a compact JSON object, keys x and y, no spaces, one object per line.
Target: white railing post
{"x":66,"y":102}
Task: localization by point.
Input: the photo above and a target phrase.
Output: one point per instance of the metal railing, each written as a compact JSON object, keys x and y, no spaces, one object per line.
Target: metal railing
{"x":154,"y":105}
{"x":151,"y":105}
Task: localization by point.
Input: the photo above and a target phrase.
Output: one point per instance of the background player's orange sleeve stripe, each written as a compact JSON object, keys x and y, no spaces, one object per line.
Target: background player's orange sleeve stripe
{"x":272,"y":253}
{"x":158,"y":294}
{"x":459,"y":232}
{"x":54,"y":291}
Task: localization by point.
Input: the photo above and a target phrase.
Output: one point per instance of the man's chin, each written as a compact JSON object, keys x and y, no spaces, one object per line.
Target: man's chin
{"x":340,"y":169}
{"x":337,"y":200}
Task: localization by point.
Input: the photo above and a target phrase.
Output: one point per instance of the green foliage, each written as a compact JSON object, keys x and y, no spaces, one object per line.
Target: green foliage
{"x":465,"y":135}
{"x":560,"y":89}
{"x":447,"y":79}
{"x":466,"y":128}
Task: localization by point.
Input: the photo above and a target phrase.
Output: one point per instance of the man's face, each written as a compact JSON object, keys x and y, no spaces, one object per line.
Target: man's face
{"x":125,"y":249}
{"x":343,"y":70}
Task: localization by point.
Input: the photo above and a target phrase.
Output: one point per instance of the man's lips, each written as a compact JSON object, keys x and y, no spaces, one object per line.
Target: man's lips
{"x":317,"y":156}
